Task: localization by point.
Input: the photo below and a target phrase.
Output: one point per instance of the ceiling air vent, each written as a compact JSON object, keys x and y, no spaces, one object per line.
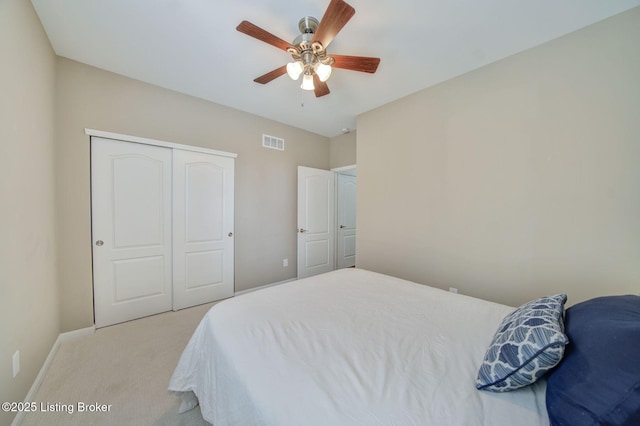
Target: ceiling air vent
{"x":273,"y":142}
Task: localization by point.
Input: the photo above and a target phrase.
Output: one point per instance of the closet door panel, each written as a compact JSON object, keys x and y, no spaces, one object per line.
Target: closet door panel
{"x":204,"y":268}
{"x":204,"y":186}
{"x":138,"y":224}
{"x":131,"y":227}
{"x":202,"y":228}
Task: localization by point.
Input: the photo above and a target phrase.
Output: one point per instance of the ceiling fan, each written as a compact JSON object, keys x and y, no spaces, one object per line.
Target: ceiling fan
{"x":308,"y":50}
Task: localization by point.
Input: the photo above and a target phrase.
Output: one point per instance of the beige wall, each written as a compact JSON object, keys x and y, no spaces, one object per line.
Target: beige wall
{"x":265,"y":184}
{"x":343,"y":150}
{"x":515,"y":180}
{"x":29,"y":317}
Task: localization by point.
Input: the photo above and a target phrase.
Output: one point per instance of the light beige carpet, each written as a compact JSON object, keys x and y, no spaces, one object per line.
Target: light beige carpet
{"x":126,"y":366}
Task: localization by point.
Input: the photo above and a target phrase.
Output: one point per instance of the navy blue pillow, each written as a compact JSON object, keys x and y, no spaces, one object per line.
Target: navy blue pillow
{"x":598,"y":380}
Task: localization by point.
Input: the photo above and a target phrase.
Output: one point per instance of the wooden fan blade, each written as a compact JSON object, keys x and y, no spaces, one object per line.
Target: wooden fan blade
{"x":256,"y":32}
{"x":320,"y":88}
{"x":272,"y":75}
{"x":356,"y":63}
{"x":335,"y":18}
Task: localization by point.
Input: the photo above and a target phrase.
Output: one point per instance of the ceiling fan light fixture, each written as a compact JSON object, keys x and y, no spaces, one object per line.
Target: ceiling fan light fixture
{"x":308,"y":50}
{"x":307,"y":82}
{"x":323,"y":71}
{"x":294,"y":69}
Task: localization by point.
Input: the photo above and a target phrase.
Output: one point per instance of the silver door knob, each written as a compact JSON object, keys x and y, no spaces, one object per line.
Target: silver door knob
{"x":230,"y":234}
{"x":99,"y":243}
{"x":302,"y":230}
{"x":342,"y":226}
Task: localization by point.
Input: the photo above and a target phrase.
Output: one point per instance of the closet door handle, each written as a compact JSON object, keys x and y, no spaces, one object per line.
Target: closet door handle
{"x":230,"y":234}
{"x":99,"y":243}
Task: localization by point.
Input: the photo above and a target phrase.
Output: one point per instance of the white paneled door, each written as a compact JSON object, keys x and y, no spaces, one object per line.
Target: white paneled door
{"x":162,"y":227}
{"x":202,"y":228}
{"x":316,"y":221}
{"x":131,"y":228}
{"x":346,"y":256}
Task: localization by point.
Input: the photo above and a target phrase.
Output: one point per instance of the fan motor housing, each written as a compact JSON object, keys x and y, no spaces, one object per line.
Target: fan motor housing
{"x":303,"y":39}
{"x":308,"y":24}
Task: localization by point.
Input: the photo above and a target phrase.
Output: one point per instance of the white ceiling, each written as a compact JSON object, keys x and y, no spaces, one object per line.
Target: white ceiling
{"x":191,"y":46}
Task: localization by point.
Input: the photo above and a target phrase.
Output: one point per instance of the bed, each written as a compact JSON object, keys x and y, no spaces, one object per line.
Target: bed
{"x":349,"y":347}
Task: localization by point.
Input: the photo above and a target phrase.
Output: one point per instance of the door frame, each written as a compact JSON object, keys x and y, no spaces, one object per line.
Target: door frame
{"x":345,"y":170}
{"x":155,"y":142}
{"x":336,"y":170}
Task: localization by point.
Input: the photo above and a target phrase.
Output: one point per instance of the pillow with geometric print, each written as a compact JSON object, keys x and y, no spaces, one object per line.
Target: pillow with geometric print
{"x":529,"y":342}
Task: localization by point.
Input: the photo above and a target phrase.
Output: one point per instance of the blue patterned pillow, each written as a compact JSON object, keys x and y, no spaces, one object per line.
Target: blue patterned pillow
{"x":529,"y":342}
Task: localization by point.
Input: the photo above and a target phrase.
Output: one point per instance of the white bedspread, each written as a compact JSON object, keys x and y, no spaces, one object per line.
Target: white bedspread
{"x":350,"y":347}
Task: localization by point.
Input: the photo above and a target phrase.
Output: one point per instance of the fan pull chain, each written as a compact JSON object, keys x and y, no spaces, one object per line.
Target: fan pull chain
{"x":301,"y":98}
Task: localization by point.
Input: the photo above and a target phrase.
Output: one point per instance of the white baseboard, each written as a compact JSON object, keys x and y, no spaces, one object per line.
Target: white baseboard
{"x":62,"y":337}
{"x":238,"y":293}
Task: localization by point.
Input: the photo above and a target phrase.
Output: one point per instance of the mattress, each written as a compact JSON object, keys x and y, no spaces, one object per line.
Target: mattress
{"x":350,"y":347}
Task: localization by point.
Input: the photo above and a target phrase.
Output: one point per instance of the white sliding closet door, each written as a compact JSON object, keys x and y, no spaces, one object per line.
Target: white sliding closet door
{"x":162,"y":227}
{"x":202,"y":228}
{"x":131,"y":228}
